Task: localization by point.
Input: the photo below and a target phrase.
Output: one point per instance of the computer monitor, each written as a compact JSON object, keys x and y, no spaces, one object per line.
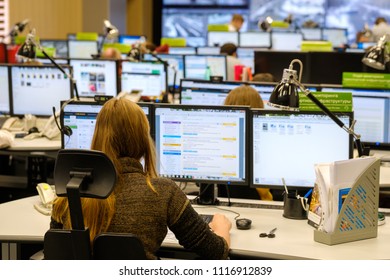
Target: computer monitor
{"x":286,"y":41}
{"x":203,"y":66}
{"x":202,"y":143}
{"x":274,"y":62}
{"x":95,"y":76}
{"x":201,"y":92}
{"x":4,"y":90}
{"x":37,"y":89}
{"x":82,"y":49}
{"x":149,"y":77}
{"x":175,"y":67}
{"x":287,"y":145}
{"x":81,"y":116}
{"x":255,"y":39}
{"x":247,"y":56}
{"x":337,"y":36}
{"x":61,"y":47}
{"x":208,"y":50}
{"x":311,"y":34}
{"x":182,"y":50}
{"x":131,"y":39}
{"x":218,"y":38}
{"x":371,"y":112}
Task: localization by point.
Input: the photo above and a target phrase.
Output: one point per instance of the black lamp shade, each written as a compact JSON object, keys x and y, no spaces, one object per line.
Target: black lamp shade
{"x":375,"y":57}
{"x":27,"y":50}
{"x":285,"y":96}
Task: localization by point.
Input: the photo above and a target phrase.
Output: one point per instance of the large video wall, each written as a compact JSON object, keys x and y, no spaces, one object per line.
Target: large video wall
{"x":189,"y":18}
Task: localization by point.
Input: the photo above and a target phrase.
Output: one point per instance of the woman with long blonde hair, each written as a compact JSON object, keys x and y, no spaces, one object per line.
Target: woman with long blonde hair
{"x":142,"y":203}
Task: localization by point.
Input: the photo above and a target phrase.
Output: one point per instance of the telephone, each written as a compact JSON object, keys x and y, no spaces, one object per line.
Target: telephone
{"x":47,"y":195}
{"x":13,"y":124}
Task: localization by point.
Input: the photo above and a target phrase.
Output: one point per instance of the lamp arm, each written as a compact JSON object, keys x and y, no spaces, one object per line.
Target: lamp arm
{"x":349,"y":130}
{"x":60,"y":68}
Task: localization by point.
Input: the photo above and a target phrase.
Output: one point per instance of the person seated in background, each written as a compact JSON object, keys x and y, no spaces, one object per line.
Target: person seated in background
{"x":230,"y":50}
{"x":142,"y":203}
{"x":263,"y":77}
{"x":380,"y":28}
{"x":111,"y":53}
{"x":236,"y":23}
{"x":247,"y":95}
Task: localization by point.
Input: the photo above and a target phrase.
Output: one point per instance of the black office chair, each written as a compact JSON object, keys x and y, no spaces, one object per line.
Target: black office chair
{"x":86,"y":173}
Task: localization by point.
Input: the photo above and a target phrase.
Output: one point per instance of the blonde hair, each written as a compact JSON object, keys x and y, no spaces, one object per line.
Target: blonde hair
{"x":244,"y":95}
{"x":122,"y":130}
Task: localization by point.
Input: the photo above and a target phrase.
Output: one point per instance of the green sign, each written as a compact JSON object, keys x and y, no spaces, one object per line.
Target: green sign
{"x":174,"y":42}
{"x":334,"y":101}
{"x":317,"y":46}
{"x":217,"y":27}
{"x":123,"y":48}
{"x":366,"y":80}
{"x":87,"y":36}
{"x":49,"y":50}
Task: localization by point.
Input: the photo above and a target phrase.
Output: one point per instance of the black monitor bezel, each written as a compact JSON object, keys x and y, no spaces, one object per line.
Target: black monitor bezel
{"x":9,"y":90}
{"x":246,"y":180}
{"x":254,"y":112}
{"x":37,"y":66}
{"x":117,"y":78}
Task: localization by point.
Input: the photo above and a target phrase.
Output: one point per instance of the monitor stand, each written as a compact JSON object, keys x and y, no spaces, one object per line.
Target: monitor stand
{"x":207,"y":194}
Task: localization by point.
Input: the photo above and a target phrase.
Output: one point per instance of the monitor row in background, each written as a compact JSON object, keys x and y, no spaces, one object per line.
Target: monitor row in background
{"x":229,"y":144}
{"x":279,"y":40}
{"x":36,"y":89}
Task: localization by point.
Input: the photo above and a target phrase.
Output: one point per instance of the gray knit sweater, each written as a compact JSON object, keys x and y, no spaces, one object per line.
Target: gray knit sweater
{"x":147,"y":214}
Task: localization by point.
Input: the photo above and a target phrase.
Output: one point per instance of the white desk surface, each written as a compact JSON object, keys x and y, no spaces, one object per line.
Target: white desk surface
{"x":294,"y":238}
{"x":37,"y":144}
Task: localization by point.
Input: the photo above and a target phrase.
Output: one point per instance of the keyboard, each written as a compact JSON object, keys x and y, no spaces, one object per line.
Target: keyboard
{"x":206,"y":218}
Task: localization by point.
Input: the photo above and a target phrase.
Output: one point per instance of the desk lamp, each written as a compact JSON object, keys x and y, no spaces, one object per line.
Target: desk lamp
{"x":285,"y":96}
{"x":28,"y":51}
{"x":16,"y":29}
{"x":110,"y":32}
{"x":377,"y":56}
{"x":265,"y":25}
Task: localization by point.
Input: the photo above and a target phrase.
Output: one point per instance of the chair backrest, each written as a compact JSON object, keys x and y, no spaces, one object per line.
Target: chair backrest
{"x":67,"y":245}
{"x":117,"y":246}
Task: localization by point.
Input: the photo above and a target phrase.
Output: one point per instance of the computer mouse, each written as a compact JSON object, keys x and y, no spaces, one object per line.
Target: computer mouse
{"x":243,"y":223}
{"x":33,"y":130}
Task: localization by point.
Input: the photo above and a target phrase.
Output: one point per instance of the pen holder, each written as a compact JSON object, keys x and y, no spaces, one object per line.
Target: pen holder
{"x":295,"y":207}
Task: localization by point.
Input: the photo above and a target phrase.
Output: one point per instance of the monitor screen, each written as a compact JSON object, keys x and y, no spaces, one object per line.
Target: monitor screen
{"x":208,"y":50}
{"x":4,"y":90}
{"x":337,"y":36}
{"x":61,"y":47}
{"x":81,"y":116}
{"x":371,"y":112}
{"x":95,"y":76}
{"x":131,"y":39}
{"x":182,"y":50}
{"x":286,"y":41}
{"x":82,"y":49}
{"x":255,"y":39}
{"x":287,"y":144}
{"x":203,"y":66}
{"x":149,"y":77}
{"x":201,"y":92}
{"x":175,"y":67}
{"x":311,"y":34}
{"x":218,"y":38}
{"x":37,"y":89}
{"x":202,"y":143}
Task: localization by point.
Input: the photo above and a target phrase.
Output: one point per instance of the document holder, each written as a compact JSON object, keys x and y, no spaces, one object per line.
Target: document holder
{"x":358,"y":217}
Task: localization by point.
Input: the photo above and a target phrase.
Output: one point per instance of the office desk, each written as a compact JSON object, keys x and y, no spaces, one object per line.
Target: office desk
{"x":36,"y":152}
{"x":21,"y":223}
